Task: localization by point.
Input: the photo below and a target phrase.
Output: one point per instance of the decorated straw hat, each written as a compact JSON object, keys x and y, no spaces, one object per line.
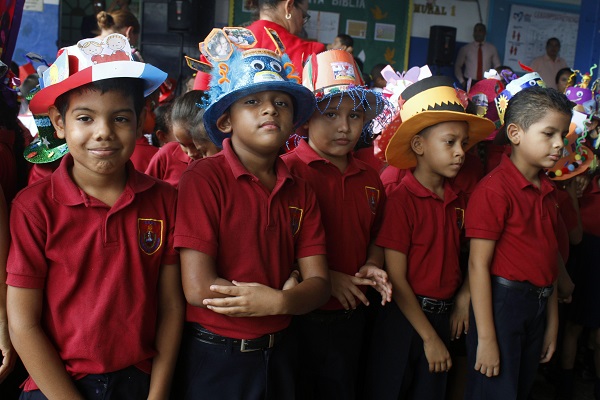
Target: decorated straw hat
{"x":240,"y":69}
{"x":92,"y":60}
{"x":576,"y":158}
{"x":427,"y":102}
{"x":334,"y":73}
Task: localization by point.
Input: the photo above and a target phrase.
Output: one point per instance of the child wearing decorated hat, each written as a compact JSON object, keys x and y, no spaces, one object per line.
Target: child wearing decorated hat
{"x":421,"y":234}
{"x":351,"y":199}
{"x":512,"y":222}
{"x":253,"y":221}
{"x":95,"y":302}
{"x":191,"y":141}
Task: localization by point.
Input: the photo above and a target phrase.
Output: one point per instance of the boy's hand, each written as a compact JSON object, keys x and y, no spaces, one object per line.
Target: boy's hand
{"x":581,"y":182}
{"x":437,"y":355}
{"x":488,"y":358}
{"x":380,"y":277}
{"x":246,"y":299}
{"x":459,"y":318}
{"x":345,"y":288}
{"x":549,"y":346}
{"x":292,"y":281}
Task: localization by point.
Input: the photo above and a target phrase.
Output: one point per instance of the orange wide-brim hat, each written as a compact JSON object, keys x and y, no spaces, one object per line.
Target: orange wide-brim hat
{"x":426,"y":103}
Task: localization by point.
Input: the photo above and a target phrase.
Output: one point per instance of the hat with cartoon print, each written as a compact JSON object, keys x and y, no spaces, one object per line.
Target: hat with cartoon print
{"x":239,"y":68}
{"x":429,"y":101}
{"x":92,"y":60}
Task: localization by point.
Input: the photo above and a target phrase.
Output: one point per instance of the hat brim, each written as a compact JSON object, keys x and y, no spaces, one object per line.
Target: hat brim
{"x":399,"y":152}
{"x":304,"y":105}
{"x":152,"y":77}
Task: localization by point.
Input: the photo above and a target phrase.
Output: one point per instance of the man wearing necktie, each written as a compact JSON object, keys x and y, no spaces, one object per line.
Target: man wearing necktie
{"x":476,"y":57}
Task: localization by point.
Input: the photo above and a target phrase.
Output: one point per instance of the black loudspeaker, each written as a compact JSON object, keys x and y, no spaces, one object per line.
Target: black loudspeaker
{"x":179,"y":15}
{"x":442,"y":40}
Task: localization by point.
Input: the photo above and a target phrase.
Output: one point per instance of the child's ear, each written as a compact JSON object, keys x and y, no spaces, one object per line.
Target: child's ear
{"x":57,"y":121}
{"x":349,"y":49}
{"x":224,"y":123}
{"x":513,"y":132}
{"x":416,"y":144}
{"x":140,"y":126}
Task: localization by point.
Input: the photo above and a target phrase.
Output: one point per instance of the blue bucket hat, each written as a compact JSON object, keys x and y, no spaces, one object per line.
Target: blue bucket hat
{"x":240,"y":69}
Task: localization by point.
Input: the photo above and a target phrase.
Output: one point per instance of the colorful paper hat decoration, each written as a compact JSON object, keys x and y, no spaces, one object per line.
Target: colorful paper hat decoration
{"x":47,"y":147}
{"x":515,"y":86}
{"x":483,"y":94}
{"x":167,"y":90}
{"x":576,"y":158}
{"x":334,"y":73}
{"x":240,"y":69}
{"x":427,"y":102}
{"x":92,"y":60}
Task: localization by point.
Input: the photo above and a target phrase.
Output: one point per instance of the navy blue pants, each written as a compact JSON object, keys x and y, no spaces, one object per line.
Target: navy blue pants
{"x":520,"y":320}
{"x":397,"y":367}
{"x":329,"y":354}
{"x":211,"y":371}
{"x":128,"y":383}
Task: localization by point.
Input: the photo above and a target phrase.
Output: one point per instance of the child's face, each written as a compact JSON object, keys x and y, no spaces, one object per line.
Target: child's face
{"x":184,"y":138}
{"x":206,"y":147}
{"x":260,"y":122}
{"x":100,"y":130}
{"x":440,"y":149}
{"x":540,"y":146}
{"x":336,"y":45}
{"x":562,"y":82}
{"x":334,"y":133}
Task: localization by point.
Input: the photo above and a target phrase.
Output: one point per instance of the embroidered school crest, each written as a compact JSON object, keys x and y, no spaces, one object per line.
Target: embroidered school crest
{"x":295,"y":219}
{"x":372,"y":198}
{"x":460,"y":217}
{"x":150,"y":235}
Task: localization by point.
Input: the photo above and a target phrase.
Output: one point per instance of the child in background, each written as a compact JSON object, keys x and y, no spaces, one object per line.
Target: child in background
{"x":252,"y":221}
{"x":378,"y":82}
{"x":351,"y":199}
{"x":514,"y":317}
{"x":163,"y":132}
{"x":144,"y":148}
{"x":563,"y":79}
{"x":95,"y":239}
{"x":191,"y":141}
{"x":421,"y":235}
{"x":342,"y":42}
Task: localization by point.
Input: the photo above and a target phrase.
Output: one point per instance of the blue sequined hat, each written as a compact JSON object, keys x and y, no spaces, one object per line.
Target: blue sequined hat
{"x":240,"y":69}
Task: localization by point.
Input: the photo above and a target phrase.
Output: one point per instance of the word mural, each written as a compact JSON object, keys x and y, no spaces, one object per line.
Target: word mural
{"x":341,"y":3}
{"x":434,"y":9}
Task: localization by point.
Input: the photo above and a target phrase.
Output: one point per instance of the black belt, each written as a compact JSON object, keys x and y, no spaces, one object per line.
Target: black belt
{"x":324,"y":316}
{"x":434,"y":306}
{"x":245,"y":345}
{"x":537,"y":291}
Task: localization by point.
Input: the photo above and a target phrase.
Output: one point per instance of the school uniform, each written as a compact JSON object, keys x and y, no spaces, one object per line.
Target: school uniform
{"x":254,"y":235}
{"x":169,"y":163}
{"x":351,"y":204}
{"x":143,"y":153}
{"x":427,"y":229}
{"x":95,"y":261}
{"x":522,"y":220}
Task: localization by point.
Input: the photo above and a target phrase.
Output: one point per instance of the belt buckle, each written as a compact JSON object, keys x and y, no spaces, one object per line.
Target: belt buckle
{"x":244,"y":344}
{"x":545,"y":292}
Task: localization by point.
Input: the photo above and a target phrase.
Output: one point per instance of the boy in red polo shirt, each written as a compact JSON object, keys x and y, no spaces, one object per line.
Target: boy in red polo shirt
{"x":95,"y":304}
{"x":512,"y":221}
{"x":421,"y":235}
{"x":252,"y":221}
{"x":351,"y":198}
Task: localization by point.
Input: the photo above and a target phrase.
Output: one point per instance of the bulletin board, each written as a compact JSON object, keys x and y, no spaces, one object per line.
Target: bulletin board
{"x":380,"y":28}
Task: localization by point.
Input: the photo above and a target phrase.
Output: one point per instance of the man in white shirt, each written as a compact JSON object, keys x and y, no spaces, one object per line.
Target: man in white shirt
{"x":550,"y":63}
{"x":476,"y":57}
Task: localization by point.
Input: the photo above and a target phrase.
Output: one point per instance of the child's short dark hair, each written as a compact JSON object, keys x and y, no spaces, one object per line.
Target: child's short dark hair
{"x":162,"y":117}
{"x":529,"y":106}
{"x":346,"y":40}
{"x":187,"y":113}
{"x":130,"y":87}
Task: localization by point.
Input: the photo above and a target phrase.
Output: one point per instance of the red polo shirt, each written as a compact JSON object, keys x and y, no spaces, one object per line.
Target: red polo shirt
{"x":391,"y":177}
{"x":142,"y":153}
{"x":351,"y":205}
{"x":522,"y":219}
{"x":98,"y":267}
{"x":255,"y":235}
{"x":589,"y":206}
{"x":427,"y":230}
{"x":169,"y":163}
{"x":567,"y":222}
